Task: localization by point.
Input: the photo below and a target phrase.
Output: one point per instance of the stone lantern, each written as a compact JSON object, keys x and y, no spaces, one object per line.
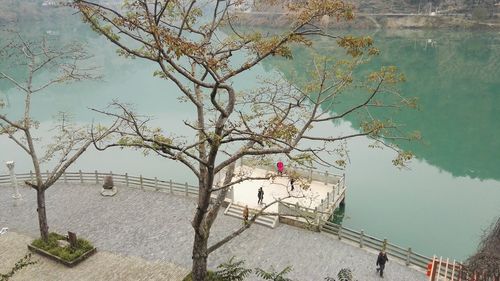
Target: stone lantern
{"x":13,"y":179}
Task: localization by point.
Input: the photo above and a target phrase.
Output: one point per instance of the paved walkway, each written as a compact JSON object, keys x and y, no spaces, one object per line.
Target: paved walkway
{"x":155,"y":226}
{"x":101,"y":266}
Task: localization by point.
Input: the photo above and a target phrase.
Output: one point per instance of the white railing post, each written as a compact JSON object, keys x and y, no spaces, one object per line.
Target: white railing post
{"x":384,"y":246}
{"x":439,"y":267}
{"x":230,"y":194}
{"x":361,"y":238}
{"x":343,"y":182}
{"x":186,"y":188}
{"x":453,"y":271}
{"x":446,"y":269}
{"x":126,"y":179}
{"x":340,"y":232}
{"x":31,"y":176}
{"x":408,"y":257}
{"x":64,"y":177}
{"x":156,"y":184}
{"x":171,"y":187}
{"x":47,"y":173}
{"x":96,"y":177}
{"x":140,"y":182}
{"x":326,"y":177}
{"x":432,"y":267}
{"x":81,"y":176}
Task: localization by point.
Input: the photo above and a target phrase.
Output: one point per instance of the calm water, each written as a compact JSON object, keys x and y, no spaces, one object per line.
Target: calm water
{"x":440,"y":205}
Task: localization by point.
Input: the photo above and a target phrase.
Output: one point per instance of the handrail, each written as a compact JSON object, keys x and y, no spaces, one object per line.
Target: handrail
{"x":302,"y":208}
{"x":311,"y":172}
{"x":98,"y":178}
{"x":367,"y":241}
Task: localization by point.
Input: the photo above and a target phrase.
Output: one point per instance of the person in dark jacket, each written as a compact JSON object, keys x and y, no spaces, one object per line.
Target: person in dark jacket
{"x":381,"y":260}
{"x":260,"y":195}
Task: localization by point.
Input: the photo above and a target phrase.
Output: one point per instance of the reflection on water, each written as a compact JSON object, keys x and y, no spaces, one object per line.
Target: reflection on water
{"x":439,"y":206}
{"x":338,"y":215}
{"x":455,"y":78}
{"x":452,"y":191}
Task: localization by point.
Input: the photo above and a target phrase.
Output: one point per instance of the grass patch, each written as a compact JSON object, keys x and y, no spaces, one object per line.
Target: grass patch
{"x":67,"y":253}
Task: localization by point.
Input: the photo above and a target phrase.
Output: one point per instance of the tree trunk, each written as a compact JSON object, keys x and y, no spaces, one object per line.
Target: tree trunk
{"x":42,"y":215}
{"x":199,"y":270}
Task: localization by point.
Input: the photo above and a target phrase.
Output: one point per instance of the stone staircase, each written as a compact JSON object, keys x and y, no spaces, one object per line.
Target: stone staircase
{"x":236,"y":211}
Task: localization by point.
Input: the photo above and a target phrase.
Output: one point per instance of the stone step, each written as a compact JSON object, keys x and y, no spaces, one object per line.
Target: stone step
{"x":239,"y":214}
{"x":236,"y":211}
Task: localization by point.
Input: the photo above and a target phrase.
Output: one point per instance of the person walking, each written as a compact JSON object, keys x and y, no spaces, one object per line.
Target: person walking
{"x":245,"y":215}
{"x":292,"y":181}
{"x":381,"y":260}
{"x":281,"y":167}
{"x":260,"y":195}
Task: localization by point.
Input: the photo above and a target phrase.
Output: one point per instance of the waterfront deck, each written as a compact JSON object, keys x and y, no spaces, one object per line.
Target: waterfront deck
{"x":314,"y":198}
{"x":324,"y":196}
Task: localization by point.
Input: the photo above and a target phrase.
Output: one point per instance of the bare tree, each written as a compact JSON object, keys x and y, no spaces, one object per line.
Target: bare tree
{"x":486,"y":262}
{"x":70,"y":142}
{"x":196,"y":46}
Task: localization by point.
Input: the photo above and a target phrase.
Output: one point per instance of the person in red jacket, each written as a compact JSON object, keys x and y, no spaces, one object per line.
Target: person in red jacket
{"x":281,"y":167}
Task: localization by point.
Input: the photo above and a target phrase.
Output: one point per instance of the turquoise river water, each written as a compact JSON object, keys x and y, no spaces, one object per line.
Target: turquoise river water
{"x":439,"y":205}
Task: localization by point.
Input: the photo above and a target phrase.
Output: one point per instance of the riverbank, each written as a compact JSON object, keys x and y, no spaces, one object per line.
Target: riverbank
{"x":374,"y":21}
{"x":155,"y":226}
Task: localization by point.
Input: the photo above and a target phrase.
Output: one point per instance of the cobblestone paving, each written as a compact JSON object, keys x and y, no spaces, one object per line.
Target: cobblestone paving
{"x":155,"y":226}
{"x":101,"y":266}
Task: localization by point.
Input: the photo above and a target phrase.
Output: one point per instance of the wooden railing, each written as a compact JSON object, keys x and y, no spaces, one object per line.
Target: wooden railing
{"x":366,"y":241}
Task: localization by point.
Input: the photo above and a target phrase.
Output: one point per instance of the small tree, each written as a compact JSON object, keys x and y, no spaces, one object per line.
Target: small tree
{"x":70,"y":142}
{"x":196,"y":46}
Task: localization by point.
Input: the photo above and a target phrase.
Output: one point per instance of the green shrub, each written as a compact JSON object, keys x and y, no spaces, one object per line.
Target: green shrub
{"x":274,"y":275}
{"x":232,"y":270}
{"x":67,"y":253}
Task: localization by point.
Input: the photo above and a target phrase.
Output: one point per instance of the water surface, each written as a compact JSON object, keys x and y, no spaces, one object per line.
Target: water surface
{"x":440,"y":205}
